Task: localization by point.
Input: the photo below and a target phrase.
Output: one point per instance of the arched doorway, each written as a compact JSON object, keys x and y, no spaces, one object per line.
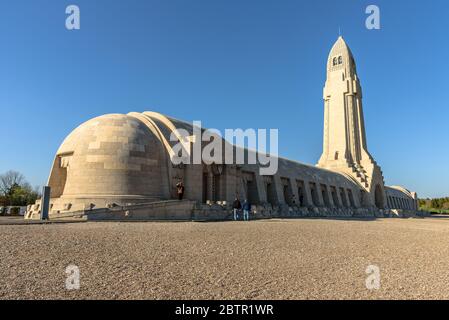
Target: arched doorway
{"x":379,"y":197}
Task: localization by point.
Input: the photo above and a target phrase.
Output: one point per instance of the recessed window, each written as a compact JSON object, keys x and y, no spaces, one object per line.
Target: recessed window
{"x":337,"y":61}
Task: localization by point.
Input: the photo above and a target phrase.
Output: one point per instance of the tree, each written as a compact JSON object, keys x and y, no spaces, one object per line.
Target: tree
{"x":436,"y":204}
{"x":23,"y":195}
{"x":445,"y":205}
{"x":10,"y":180}
{"x":422,"y":202}
{"x":15,"y":190}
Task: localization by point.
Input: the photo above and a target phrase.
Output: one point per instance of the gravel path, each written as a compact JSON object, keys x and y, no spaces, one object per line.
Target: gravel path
{"x":266,"y":259}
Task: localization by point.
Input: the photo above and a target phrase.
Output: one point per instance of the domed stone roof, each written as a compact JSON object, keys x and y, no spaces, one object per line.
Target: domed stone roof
{"x":110,"y":155}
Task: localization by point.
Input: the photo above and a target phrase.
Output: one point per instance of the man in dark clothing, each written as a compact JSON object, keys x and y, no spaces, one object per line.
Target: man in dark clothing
{"x":180,"y":190}
{"x":246,"y":209}
{"x":236,"y":206}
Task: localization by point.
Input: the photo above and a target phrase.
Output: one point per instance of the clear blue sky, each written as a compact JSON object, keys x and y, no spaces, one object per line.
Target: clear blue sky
{"x":233,"y":63}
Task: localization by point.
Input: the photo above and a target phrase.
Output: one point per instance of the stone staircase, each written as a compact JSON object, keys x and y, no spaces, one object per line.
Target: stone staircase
{"x":157,"y":210}
{"x":361,"y":174}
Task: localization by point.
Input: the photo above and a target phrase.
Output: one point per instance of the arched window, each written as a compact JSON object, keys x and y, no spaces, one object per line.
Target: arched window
{"x":334,"y":61}
{"x":340,"y":60}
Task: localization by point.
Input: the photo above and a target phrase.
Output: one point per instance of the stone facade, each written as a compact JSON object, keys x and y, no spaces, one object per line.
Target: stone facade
{"x":119,"y":167}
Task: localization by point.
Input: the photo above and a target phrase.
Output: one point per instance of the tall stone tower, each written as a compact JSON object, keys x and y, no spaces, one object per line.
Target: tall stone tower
{"x":344,"y":142}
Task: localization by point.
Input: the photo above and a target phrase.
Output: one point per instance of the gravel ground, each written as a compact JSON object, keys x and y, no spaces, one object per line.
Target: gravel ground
{"x":265,"y":259}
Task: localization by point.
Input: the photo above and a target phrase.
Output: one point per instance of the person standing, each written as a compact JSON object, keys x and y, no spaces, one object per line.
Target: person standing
{"x":180,"y":190}
{"x":246,"y":209}
{"x":236,"y":206}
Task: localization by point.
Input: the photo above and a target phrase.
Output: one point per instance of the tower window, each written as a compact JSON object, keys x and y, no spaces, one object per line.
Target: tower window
{"x":337,"y":61}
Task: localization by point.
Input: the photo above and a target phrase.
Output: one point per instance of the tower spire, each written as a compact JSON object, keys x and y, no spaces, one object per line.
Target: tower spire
{"x":344,"y":142}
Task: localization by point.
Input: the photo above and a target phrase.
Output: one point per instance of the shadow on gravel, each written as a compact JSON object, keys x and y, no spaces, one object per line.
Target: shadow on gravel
{"x":21,"y":221}
{"x":439,"y":216}
{"x":286,"y":219}
{"x":15,"y":221}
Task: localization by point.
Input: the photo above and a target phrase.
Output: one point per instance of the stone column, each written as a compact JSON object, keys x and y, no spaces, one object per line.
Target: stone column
{"x":358,"y":199}
{"x":319,"y":195}
{"x":339,"y":199}
{"x":308,"y":202}
{"x":230,"y":185}
{"x":345,"y":194}
{"x":329,"y":196}
{"x":260,"y":184}
{"x":278,"y":189}
{"x":193,"y":182}
{"x":210,"y":182}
